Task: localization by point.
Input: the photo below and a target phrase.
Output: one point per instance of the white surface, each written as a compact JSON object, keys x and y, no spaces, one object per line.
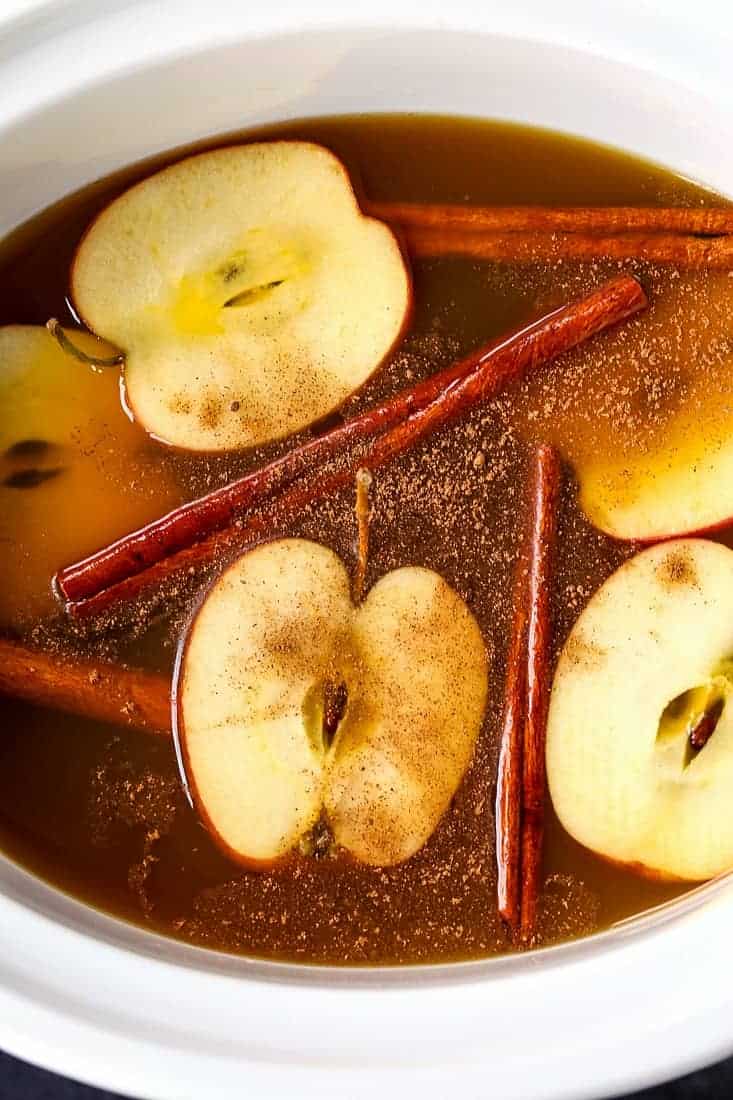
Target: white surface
{"x":86,"y":86}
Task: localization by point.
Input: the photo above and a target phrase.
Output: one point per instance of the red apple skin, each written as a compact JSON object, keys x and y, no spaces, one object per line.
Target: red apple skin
{"x":397,"y":236}
{"x":651,"y":874}
{"x":639,"y":543}
{"x":691,"y":533}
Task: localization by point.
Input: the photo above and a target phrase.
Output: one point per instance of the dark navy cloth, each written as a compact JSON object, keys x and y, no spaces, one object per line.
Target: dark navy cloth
{"x":19,"y":1081}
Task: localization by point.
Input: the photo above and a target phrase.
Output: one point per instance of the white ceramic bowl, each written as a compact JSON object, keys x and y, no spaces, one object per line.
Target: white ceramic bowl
{"x":88,"y":85}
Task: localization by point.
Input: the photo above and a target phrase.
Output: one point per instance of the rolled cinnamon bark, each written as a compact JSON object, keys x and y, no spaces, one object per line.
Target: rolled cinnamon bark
{"x":546,"y":488}
{"x":696,"y":237}
{"x":89,"y":689}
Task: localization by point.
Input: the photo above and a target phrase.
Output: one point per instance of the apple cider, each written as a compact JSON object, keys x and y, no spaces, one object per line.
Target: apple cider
{"x":217,"y":853}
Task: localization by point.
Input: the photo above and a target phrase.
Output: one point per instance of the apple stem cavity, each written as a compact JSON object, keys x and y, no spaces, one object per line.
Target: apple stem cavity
{"x":253,"y":294}
{"x":74,"y":352}
{"x":31,"y":477}
{"x":335,"y":698}
{"x":694,"y":716}
{"x":705,"y":727}
{"x":363,"y":519}
{"x":318,"y":842}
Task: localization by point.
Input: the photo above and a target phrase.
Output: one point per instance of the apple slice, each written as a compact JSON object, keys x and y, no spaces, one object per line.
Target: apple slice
{"x":663,"y":466}
{"x":646,"y":667}
{"x":682,"y":484}
{"x":74,"y":472}
{"x":247,"y":290}
{"x":275,"y":634}
{"x":645,"y":415}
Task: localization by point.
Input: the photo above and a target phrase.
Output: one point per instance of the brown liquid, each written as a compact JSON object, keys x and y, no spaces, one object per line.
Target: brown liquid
{"x":99,"y":812}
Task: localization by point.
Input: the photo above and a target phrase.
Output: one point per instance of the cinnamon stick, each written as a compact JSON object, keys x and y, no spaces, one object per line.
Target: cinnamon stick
{"x":509,"y":782}
{"x":89,"y":689}
{"x":680,"y":250}
{"x":697,"y":237}
{"x":546,"y":487}
{"x":363,"y":517}
{"x":605,"y":220}
{"x":195,"y":534}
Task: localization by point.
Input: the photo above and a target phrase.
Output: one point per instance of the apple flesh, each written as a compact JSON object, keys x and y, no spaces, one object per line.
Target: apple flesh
{"x":646,"y":660}
{"x":74,"y":472}
{"x":671,"y":473}
{"x":644,"y":415}
{"x":247,"y":290}
{"x":276,"y":632}
{"x":681,"y":487}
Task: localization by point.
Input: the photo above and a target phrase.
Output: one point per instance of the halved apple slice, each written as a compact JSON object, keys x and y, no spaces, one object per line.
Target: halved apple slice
{"x":645,"y":415}
{"x":681,"y":484}
{"x":247,"y":290}
{"x":646,"y":663}
{"x":279,"y":630}
{"x":74,"y":472}
{"x":665,"y":468}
